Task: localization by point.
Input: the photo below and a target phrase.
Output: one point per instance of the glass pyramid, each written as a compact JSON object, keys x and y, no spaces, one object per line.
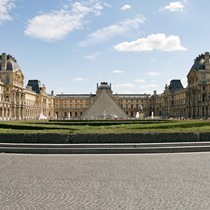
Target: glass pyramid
{"x":104,"y":108}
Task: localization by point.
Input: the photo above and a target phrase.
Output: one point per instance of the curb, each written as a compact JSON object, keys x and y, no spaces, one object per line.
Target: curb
{"x":105,"y":148}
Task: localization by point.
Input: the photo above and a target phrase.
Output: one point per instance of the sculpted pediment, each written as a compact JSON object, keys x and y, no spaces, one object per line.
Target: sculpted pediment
{"x":192,"y":74}
{"x":193,"y":77}
{"x":18,"y":78}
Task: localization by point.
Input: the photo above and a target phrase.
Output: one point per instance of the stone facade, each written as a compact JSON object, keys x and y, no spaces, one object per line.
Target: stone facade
{"x":191,"y":102}
{"x":70,"y":106}
{"x":32,"y":101}
{"x":16,"y":101}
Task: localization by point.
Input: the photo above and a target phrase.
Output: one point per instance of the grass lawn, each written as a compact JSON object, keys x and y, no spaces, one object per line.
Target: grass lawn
{"x":112,"y":126}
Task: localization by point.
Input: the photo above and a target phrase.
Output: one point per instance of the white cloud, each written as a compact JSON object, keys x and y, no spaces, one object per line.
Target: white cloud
{"x":154,"y":74}
{"x":79,"y":79}
{"x":93,"y":56}
{"x":126,"y":7}
{"x":56,"y":25}
{"x":142,"y":87}
{"x":149,"y":88}
{"x":118,"y":71}
{"x":139,"y":80}
{"x":108,"y":32}
{"x":5,"y":7}
{"x":174,"y":6}
{"x":184,"y":82}
{"x":59,"y":91}
{"x":125,"y":85}
{"x":152,"y":42}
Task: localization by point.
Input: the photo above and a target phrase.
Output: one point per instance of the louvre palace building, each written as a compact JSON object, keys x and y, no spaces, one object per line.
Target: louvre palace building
{"x":19,"y":102}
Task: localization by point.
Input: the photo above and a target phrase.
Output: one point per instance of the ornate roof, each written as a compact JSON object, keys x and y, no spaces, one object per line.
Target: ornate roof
{"x":35,"y":84}
{"x":175,"y":85}
{"x":104,"y":85}
{"x":9,"y":62}
{"x":200,"y":61}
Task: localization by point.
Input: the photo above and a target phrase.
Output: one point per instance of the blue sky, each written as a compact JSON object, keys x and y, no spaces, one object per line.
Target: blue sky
{"x":137,"y":45}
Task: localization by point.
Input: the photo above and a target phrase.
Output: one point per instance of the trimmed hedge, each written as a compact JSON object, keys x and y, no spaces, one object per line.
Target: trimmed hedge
{"x":104,"y":138}
{"x":103,"y":122}
{"x":33,"y":126}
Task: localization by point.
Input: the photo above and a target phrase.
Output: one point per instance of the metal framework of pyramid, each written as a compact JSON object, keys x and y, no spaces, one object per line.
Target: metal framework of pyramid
{"x":104,"y":108}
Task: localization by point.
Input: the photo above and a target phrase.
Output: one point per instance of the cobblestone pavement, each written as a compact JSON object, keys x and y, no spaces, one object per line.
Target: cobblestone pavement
{"x":95,"y":182}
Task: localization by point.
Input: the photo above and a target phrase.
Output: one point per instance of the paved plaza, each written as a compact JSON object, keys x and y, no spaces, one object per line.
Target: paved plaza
{"x":96,"y":182}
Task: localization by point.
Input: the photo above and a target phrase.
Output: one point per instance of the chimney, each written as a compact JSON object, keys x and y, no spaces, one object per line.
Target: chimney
{"x":4,"y":62}
{"x":206,"y":57}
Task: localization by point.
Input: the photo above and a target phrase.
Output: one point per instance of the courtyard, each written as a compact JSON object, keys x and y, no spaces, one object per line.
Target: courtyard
{"x":149,"y":181}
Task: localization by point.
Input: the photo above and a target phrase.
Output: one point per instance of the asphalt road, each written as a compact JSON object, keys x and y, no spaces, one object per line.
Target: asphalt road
{"x":96,"y":182}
